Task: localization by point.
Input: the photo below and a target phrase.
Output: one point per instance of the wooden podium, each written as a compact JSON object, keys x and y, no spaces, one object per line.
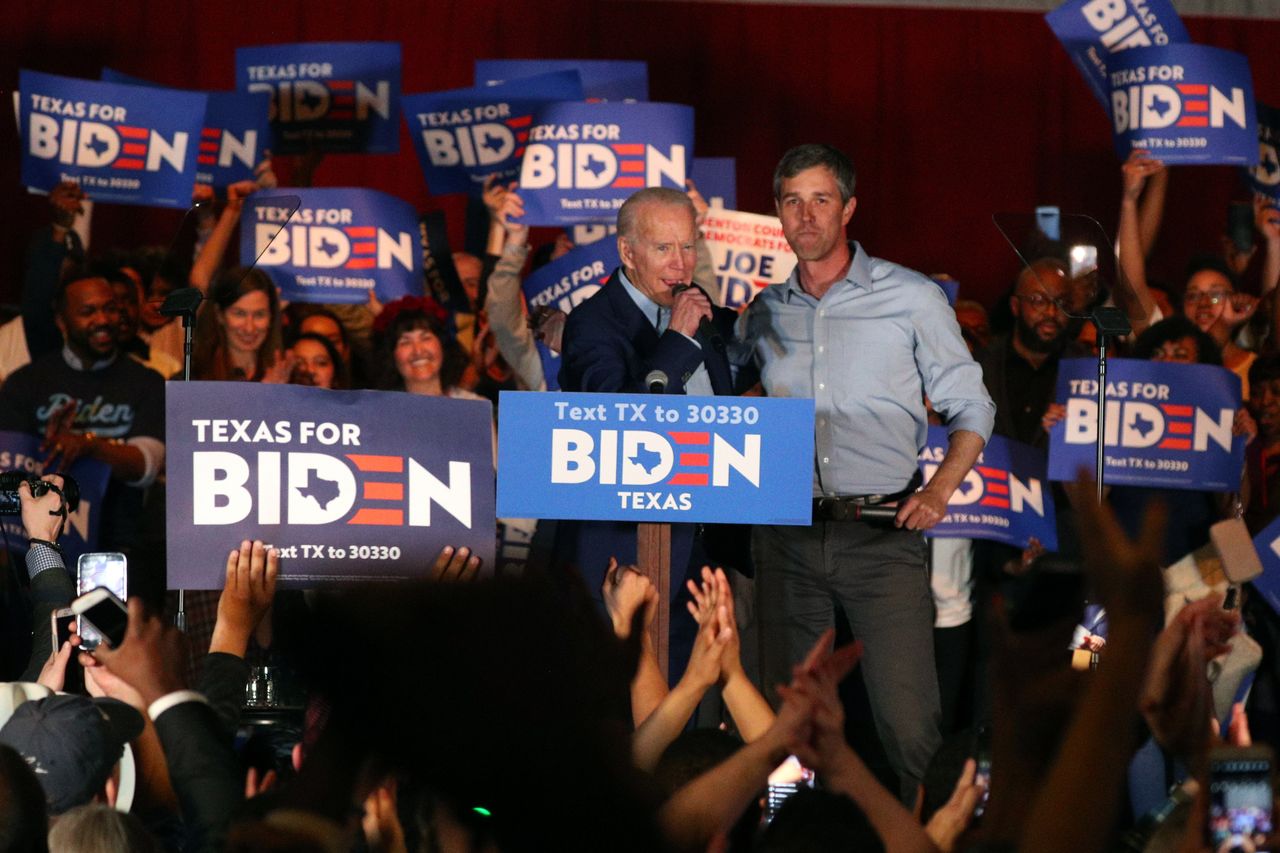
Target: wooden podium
{"x":653,"y":558}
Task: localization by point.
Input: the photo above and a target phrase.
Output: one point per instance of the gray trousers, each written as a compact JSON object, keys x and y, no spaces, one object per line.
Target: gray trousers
{"x":879,"y":577}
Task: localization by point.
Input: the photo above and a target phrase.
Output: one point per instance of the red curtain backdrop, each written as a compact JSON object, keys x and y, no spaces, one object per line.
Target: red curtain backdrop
{"x":950,"y":116}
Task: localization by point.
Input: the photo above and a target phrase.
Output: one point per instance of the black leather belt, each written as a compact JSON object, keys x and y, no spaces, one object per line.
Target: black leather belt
{"x":862,"y":507}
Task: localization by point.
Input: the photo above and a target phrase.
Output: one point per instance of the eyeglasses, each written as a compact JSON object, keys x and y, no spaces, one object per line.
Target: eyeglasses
{"x":1040,"y":302}
{"x":1213,"y":297}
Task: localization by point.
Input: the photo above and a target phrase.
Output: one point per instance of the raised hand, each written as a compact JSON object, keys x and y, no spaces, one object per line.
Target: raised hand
{"x":625,"y":591}
{"x":247,"y":593}
{"x":152,"y":657}
{"x":454,"y":564}
{"x":1139,"y":166}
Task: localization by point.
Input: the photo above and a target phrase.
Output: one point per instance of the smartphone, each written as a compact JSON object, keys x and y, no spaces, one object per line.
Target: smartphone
{"x":1049,"y":221}
{"x":786,"y":779}
{"x":105,"y":613}
{"x":983,"y":775}
{"x":1240,"y":797}
{"x":1240,"y":225}
{"x":106,"y":569}
{"x":63,"y":626}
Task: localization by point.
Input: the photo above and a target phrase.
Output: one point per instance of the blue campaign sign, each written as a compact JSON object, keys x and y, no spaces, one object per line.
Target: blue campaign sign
{"x":634,"y":457}
{"x":125,"y":144}
{"x":338,"y":245}
{"x":717,"y":180}
{"x":465,"y":135}
{"x":565,"y":282}
{"x":602,"y":79}
{"x":1092,"y":30}
{"x":584,"y":160}
{"x":235,"y":136}
{"x":327,"y":96}
{"x":21,"y":452}
{"x":1168,"y":425}
{"x":1268,"y":583}
{"x":1005,"y":497}
{"x":1185,"y":103}
{"x":349,"y":485}
{"x":1265,"y":177}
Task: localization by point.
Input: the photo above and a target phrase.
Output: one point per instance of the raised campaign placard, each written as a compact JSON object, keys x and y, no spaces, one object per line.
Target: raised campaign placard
{"x":336,"y":246}
{"x":1265,"y":177}
{"x":632,"y":457}
{"x":21,"y":452}
{"x":602,"y":79}
{"x":124,"y":144}
{"x":1005,"y":497}
{"x":465,"y":135}
{"x":348,"y":485}
{"x":1092,"y":30}
{"x":583,"y":160}
{"x":235,"y":137}
{"x":749,"y":252}
{"x":563,"y":284}
{"x":1185,"y":103}
{"x":341,"y":97}
{"x":1168,"y":425}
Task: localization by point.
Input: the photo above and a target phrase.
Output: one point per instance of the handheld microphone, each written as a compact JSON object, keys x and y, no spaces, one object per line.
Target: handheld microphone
{"x":875,"y":513}
{"x":705,"y":327}
{"x":656,"y":381}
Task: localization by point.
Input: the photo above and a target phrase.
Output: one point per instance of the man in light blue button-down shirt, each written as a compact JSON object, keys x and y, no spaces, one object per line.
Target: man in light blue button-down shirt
{"x":868,"y":340}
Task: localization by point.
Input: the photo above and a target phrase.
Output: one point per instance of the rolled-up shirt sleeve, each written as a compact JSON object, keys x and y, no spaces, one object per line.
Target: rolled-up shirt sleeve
{"x":952,"y":379}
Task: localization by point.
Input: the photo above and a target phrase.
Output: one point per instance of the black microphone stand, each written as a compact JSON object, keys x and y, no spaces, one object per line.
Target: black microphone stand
{"x":183,"y":303}
{"x":1109,"y":322}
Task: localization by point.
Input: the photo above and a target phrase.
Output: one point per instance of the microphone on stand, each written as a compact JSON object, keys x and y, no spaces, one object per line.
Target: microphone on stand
{"x":656,"y":381}
{"x":705,"y":327}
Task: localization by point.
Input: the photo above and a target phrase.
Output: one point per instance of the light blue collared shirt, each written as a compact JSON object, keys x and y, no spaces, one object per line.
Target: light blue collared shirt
{"x":699,"y":383}
{"x":867,"y":353}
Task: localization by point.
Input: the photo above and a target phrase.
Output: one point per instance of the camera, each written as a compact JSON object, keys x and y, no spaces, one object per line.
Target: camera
{"x":11,"y":504}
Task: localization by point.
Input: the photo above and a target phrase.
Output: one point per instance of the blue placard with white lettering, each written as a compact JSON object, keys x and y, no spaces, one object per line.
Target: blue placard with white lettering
{"x":602,"y":79}
{"x":1168,"y":425}
{"x":349,"y":485}
{"x":584,"y":160}
{"x":1092,"y":30}
{"x":1185,"y":103}
{"x":337,"y":246}
{"x":635,"y":457}
{"x":464,"y":135}
{"x":21,"y":452}
{"x":564,"y":283}
{"x":1005,"y":497}
{"x":717,"y":180}
{"x":1267,"y":542}
{"x":338,"y":97}
{"x":1265,"y":177}
{"x":124,"y":144}
{"x":235,"y":135}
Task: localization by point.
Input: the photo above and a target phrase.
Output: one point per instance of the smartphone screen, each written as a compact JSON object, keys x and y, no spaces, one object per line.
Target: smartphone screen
{"x":108,"y":619}
{"x":788,"y":778}
{"x":101,"y":568}
{"x":1240,"y":799}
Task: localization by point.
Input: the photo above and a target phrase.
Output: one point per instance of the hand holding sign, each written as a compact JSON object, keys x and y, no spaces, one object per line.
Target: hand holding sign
{"x":1137,"y":168}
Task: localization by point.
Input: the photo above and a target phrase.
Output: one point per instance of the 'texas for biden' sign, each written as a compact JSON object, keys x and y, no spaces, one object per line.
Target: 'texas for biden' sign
{"x":125,"y":144}
{"x":583,"y":160}
{"x":1167,"y":425}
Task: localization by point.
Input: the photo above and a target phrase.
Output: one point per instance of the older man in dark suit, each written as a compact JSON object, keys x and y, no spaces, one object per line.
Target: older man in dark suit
{"x":647,"y":322}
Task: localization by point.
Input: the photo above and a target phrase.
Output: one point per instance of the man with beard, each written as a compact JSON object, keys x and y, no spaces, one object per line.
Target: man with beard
{"x":90,"y":400}
{"x":1021,"y":369}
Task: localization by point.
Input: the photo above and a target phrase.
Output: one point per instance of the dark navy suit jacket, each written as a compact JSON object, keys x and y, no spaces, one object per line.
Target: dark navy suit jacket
{"x":610,"y":346}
